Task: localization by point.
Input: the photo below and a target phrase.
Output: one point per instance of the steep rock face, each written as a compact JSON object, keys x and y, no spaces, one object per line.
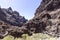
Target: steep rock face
{"x":11,"y":17}
{"x":46,"y":19}
{"x":48,"y":5}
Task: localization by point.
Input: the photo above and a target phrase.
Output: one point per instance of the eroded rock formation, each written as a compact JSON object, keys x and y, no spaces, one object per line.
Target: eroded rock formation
{"x":10,"y":22}
{"x":46,"y":20}
{"x":11,"y":17}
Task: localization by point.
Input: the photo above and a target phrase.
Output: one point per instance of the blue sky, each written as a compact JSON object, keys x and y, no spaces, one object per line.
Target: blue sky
{"x":26,"y":8}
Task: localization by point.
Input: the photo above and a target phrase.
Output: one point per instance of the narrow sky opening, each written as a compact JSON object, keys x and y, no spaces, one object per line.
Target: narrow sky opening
{"x":26,"y":8}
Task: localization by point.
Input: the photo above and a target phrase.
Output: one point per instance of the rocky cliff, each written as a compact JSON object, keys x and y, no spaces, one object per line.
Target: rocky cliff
{"x":11,"y":17}
{"x":10,"y":22}
{"x":46,"y":20}
{"x":48,"y":5}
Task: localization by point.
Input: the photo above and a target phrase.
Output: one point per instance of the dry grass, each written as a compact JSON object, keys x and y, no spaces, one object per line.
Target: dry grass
{"x":37,"y":36}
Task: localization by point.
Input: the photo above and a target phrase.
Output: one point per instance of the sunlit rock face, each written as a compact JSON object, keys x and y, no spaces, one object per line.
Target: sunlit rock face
{"x":11,"y":17}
